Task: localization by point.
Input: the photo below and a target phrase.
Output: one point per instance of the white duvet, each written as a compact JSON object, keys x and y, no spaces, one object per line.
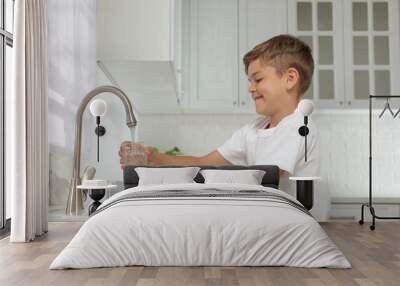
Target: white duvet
{"x":200,"y":231}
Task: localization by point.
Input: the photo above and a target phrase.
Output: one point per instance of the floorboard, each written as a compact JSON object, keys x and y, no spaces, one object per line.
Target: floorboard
{"x":374,"y":255}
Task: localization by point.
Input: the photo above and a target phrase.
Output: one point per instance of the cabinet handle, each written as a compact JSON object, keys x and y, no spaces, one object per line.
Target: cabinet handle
{"x":341,"y":102}
{"x":243,"y":102}
{"x":234,"y":102}
{"x":349,"y":102}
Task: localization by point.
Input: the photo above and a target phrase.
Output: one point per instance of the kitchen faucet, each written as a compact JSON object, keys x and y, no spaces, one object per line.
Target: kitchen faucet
{"x":75,"y":198}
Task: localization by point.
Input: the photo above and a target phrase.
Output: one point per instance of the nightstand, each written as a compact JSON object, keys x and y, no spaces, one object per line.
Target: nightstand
{"x":305,"y":190}
{"x":96,"y":194}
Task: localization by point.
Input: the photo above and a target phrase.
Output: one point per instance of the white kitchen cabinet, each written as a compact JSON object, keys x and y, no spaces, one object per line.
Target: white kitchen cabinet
{"x":372,"y":41}
{"x":259,"y":20}
{"x":320,"y":25}
{"x":216,"y":36}
{"x":212,"y":67}
{"x":355,"y":47}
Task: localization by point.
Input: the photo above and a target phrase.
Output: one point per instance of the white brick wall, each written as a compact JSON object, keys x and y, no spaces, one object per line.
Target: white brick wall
{"x":343,"y":139}
{"x":345,"y":151}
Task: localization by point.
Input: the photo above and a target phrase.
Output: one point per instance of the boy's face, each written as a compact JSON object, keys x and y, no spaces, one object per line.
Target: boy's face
{"x":268,"y":89}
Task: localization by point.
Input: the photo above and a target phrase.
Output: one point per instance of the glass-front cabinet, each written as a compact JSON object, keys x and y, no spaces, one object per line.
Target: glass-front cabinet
{"x":355,"y":47}
{"x":372,"y":39}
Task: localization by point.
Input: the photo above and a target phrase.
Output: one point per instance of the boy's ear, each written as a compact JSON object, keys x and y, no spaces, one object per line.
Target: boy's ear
{"x":292,"y":78}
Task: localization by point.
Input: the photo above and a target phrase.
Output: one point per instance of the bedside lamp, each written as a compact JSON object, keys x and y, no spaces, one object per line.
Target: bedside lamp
{"x":98,"y":108}
{"x":306,"y":107}
{"x":304,"y":185}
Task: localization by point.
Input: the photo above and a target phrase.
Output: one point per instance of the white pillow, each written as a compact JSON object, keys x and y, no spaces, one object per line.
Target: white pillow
{"x":163,"y":176}
{"x":248,"y":177}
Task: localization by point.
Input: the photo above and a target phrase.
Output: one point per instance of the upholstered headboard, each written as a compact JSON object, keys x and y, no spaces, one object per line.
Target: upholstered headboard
{"x":270,"y":179}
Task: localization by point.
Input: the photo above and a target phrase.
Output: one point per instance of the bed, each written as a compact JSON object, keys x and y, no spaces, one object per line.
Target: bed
{"x":198,"y":224}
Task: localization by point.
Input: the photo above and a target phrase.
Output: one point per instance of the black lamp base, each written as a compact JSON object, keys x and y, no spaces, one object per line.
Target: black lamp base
{"x":305,"y":193}
{"x":96,"y":195}
{"x":100,"y":130}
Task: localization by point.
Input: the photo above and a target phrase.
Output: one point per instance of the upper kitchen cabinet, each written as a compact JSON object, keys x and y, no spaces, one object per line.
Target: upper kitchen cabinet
{"x":320,"y":25}
{"x":371,"y":42}
{"x":259,"y":20}
{"x":355,"y":47}
{"x":210,"y":53}
{"x":216,"y":36}
{"x":200,"y":46}
{"x":139,"y":47}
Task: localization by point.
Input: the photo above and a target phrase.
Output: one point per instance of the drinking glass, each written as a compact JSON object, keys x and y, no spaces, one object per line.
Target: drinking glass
{"x":134,"y":153}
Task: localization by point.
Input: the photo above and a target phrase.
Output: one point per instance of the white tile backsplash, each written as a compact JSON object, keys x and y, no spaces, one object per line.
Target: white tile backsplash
{"x":343,"y":139}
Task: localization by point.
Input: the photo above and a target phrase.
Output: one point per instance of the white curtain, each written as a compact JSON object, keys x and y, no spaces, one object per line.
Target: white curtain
{"x":29,"y":167}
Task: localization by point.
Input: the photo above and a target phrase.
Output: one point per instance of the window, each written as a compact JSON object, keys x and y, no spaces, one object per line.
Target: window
{"x":353,"y":52}
{"x":6,"y":44}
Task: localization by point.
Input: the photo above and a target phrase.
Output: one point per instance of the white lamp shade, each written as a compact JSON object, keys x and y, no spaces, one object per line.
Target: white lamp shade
{"x":98,"y":107}
{"x":306,"y":107}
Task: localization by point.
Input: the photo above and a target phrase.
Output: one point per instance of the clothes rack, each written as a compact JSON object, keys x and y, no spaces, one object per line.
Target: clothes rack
{"x":370,"y":202}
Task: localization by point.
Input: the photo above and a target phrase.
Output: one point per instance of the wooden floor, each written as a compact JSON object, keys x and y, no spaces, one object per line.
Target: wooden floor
{"x":375,"y":257}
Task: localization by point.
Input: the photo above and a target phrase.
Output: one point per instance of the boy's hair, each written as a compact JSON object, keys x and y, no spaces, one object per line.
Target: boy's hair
{"x":283,"y":52}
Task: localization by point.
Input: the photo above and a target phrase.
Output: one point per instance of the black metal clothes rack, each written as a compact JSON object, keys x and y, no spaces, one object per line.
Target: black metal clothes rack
{"x":370,"y":203}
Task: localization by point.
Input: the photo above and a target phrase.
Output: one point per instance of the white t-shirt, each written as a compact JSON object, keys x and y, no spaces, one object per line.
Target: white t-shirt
{"x":281,"y":145}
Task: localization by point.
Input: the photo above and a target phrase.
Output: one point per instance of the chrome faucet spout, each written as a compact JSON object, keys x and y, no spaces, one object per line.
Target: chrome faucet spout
{"x":75,"y":201}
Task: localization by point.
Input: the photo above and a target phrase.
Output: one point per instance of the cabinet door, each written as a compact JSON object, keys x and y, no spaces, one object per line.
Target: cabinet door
{"x":319,"y":24}
{"x":213,"y":50}
{"x":371,"y":49}
{"x":259,"y":20}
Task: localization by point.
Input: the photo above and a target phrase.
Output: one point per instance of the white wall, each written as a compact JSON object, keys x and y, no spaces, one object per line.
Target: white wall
{"x":139,"y":30}
{"x":72,"y":73}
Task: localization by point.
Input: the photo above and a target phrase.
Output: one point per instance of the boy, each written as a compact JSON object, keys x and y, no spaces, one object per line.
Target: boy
{"x":279,"y":72}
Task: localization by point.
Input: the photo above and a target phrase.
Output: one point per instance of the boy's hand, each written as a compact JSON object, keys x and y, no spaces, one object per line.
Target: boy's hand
{"x":125,"y":160}
{"x":152,"y":156}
